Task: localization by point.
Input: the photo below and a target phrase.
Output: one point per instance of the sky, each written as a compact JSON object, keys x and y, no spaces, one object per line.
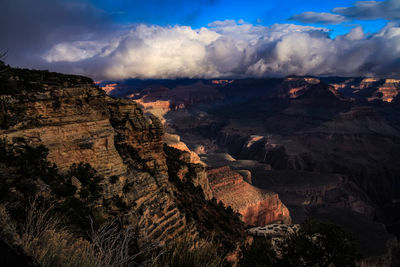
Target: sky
{"x":116,"y":40}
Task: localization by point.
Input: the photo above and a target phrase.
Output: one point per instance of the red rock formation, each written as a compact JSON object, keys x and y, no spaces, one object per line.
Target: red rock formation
{"x":222,"y":82}
{"x":389,"y":89}
{"x":257,"y":207}
{"x":365,"y":83}
{"x":108,"y":88}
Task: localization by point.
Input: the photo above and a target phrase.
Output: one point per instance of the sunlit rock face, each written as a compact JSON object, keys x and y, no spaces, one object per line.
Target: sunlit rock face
{"x":158,"y":108}
{"x":389,"y":89}
{"x":173,"y":140}
{"x":222,"y":82}
{"x":257,"y":207}
{"x":367,"y":89}
{"x":108,"y":88}
{"x":294,"y":87}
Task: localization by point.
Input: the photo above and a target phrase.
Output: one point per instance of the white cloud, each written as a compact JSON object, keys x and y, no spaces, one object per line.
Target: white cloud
{"x":318,"y":18}
{"x":232,"y":50}
{"x":75,"y":51}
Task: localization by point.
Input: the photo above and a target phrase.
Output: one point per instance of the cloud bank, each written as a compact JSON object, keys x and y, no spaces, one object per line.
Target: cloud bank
{"x":230,"y":49}
{"x":75,"y":37}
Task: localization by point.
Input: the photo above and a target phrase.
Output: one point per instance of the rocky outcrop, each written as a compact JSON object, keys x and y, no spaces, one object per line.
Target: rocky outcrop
{"x":257,"y":207}
{"x":77,"y":122}
{"x":73,"y":123}
{"x":174,"y":141}
{"x":189,"y":171}
{"x":139,"y":142}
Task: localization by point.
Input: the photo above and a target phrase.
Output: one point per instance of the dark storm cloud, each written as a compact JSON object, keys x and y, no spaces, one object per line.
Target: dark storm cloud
{"x":29,"y":27}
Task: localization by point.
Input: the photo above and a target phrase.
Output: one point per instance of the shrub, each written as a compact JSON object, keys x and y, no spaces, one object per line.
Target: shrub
{"x":24,"y":165}
{"x":319,"y":244}
{"x":259,"y":254}
{"x":91,"y":190}
{"x":316,"y":244}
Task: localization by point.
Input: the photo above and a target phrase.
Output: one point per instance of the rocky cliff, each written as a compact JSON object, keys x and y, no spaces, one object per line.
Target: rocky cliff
{"x":258,"y":207}
{"x":77,"y":122}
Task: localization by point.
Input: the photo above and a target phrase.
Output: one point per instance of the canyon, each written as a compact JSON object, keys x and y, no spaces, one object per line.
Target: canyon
{"x":317,"y":144}
{"x":204,"y":158}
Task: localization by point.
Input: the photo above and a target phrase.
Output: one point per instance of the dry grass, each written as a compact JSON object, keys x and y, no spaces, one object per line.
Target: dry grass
{"x":43,"y":237}
{"x":114,"y":245}
{"x":61,"y":248}
{"x":181,"y":253}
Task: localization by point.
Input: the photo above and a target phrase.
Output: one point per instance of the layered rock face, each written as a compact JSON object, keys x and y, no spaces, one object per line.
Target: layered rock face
{"x":258,"y":207}
{"x":74,"y":124}
{"x":139,"y":141}
{"x":77,"y":122}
